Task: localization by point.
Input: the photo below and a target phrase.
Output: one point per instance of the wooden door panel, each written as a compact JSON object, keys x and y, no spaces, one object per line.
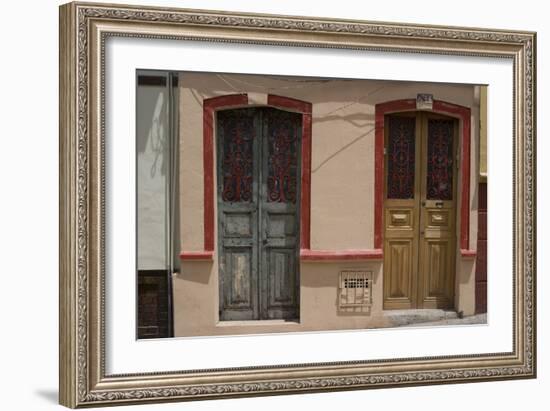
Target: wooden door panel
{"x":237,"y":168}
{"x":281,"y":225}
{"x":238,"y":224}
{"x":400,"y":220}
{"x":438,"y":267}
{"x":437,"y":260}
{"x":437,"y":221}
{"x":239,"y":284}
{"x":419,"y":218}
{"x":400,"y":256}
{"x":399,"y":290}
{"x":258,"y":187}
{"x":238,"y":264}
{"x":437,"y":281}
{"x":279,"y":273}
{"x":281,"y":292}
{"x":401,"y":212}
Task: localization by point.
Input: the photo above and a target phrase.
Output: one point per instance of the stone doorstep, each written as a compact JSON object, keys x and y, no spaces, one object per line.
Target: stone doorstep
{"x":397,"y":318}
{"x":476,"y":319}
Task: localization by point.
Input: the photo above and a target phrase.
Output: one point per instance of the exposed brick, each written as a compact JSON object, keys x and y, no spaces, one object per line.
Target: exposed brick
{"x":482,"y":197}
{"x":481,"y":297}
{"x":153,"y":317}
{"x":482,"y":225}
{"x":481,"y":261}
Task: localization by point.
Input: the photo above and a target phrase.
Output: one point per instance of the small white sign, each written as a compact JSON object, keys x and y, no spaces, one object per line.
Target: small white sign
{"x":424,"y":101}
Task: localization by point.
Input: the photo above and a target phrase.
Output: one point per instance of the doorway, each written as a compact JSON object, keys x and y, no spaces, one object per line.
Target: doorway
{"x":258,"y":192}
{"x":420,"y":210}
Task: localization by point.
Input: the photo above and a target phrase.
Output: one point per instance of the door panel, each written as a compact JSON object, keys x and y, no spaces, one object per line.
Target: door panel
{"x":279,"y":217}
{"x":399,"y":288}
{"x":237,"y":213}
{"x":437,"y":281}
{"x":258,"y":186}
{"x":399,"y":258}
{"x":419,"y":240}
{"x":401,"y":214}
{"x":239,"y":284}
{"x":437,"y":221}
{"x":238,"y":224}
{"x":282,"y":281}
{"x":281,"y":225}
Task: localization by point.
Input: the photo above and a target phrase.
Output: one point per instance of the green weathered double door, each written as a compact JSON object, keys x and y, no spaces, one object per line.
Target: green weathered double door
{"x":258,"y":170}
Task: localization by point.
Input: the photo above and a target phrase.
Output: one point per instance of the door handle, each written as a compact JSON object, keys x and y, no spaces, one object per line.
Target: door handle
{"x":438,"y":204}
{"x":264,"y":241}
{"x":421,"y":232}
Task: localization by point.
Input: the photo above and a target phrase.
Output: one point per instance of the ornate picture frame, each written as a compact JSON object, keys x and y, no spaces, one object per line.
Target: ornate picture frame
{"x":84,"y":29}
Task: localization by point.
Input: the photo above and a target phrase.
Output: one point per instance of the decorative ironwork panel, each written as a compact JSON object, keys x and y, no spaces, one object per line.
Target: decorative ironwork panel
{"x":401,"y":157}
{"x":238,"y":155}
{"x":440,"y":160}
{"x":283,"y":137}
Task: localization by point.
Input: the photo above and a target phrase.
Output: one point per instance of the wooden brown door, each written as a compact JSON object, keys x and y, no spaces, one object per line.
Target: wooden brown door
{"x":420,"y":211}
{"x":258,"y":201}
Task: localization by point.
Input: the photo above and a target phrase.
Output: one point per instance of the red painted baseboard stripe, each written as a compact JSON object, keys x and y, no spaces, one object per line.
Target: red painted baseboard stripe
{"x":197,"y":255}
{"x":340,"y":255}
{"x":468,"y":253}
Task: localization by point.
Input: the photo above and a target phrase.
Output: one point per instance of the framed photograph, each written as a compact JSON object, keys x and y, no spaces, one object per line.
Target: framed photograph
{"x":259,"y":204}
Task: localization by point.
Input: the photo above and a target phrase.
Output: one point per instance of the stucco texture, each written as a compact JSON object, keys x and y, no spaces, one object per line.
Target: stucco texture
{"x":342,"y":195}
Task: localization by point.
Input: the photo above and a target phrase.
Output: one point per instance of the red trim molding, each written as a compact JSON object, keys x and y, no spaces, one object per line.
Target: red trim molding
{"x":340,"y":255}
{"x":468,"y":253}
{"x":463,"y":113}
{"x":210,"y":106}
{"x":197,"y":255}
{"x":452,"y":110}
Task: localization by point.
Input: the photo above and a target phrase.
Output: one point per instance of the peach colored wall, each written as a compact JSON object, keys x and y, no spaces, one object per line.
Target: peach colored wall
{"x":196,"y":293}
{"x":342,"y":201}
{"x":191,"y":171}
{"x":465,"y":267}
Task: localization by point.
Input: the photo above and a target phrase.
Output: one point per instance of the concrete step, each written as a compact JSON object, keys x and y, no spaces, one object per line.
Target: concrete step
{"x":399,"y":318}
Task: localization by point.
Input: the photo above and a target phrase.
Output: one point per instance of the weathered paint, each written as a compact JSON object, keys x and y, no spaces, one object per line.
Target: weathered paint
{"x":258,"y":201}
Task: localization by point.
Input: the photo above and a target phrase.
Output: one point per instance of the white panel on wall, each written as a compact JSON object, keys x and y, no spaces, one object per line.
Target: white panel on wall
{"x":152,"y":167}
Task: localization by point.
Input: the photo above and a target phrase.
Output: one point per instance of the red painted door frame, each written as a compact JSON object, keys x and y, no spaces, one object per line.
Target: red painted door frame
{"x":452,"y":110}
{"x":210,"y":106}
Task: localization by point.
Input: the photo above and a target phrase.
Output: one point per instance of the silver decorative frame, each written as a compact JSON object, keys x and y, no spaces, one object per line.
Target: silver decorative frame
{"x":83,"y":30}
